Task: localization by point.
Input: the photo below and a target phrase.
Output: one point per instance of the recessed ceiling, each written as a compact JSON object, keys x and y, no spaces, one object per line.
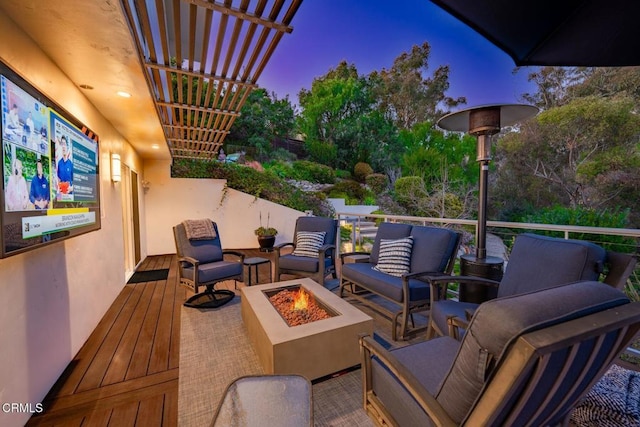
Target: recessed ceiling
{"x":145,"y":48}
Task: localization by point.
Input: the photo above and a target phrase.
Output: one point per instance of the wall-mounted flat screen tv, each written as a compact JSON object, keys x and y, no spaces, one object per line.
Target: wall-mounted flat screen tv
{"x":50,"y":170}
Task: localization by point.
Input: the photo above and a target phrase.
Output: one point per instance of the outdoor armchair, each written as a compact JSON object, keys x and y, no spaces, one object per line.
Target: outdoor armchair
{"x":312,"y":252}
{"x":536,"y":262}
{"x":201,"y":262}
{"x":526,"y":361}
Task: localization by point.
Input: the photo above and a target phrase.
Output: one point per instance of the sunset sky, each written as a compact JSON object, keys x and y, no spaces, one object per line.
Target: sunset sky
{"x":372,"y":33}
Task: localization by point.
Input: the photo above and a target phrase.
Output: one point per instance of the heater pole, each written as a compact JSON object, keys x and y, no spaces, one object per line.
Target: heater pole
{"x":481,"y":240}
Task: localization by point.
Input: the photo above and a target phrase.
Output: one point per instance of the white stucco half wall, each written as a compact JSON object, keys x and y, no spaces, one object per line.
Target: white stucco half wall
{"x":170,"y":201}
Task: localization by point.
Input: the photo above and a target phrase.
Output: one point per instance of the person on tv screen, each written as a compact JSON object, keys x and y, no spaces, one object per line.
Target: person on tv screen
{"x":13,"y":120}
{"x":65,"y":169}
{"x":39,"y":194}
{"x":16,"y":194}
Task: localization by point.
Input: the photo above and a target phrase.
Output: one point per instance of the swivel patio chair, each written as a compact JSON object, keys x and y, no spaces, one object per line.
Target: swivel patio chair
{"x":525,"y":361}
{"x":201,"y":263}
{"x":536,"y":262}
{"x":313,"y":250}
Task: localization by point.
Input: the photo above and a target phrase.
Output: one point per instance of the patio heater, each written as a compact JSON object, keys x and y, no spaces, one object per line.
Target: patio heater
{"x":483,"y":122}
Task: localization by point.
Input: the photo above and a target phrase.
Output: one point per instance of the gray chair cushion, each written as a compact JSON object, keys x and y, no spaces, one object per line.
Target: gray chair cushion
{"x":489,"y":335}
{"x":539,"y":262}
{"x":204,"y":251}
{"x":214,"y":271}
{"x":432,"y":247}
{"x":301,"y":263}
{"x":429,"y":362}
{"x":384,"y":284}
{"x":388,"y":230}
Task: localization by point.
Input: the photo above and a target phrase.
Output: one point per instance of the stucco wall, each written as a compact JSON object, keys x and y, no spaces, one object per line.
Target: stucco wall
{"x":52,"y":298}
{"x":172,"y":200}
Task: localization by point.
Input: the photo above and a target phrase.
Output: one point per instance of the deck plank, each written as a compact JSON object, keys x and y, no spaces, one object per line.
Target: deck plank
{"x":140,"y":358}
{"x":74,"y":373}
{"x":96,"y":371}
{"x":119,"y":365}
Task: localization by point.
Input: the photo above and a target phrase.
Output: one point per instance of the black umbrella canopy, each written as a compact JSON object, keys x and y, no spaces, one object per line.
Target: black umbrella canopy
{"x":587,"y":33}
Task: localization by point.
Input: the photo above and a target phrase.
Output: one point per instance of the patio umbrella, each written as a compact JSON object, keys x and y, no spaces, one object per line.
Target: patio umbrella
{"x":551,"y":32}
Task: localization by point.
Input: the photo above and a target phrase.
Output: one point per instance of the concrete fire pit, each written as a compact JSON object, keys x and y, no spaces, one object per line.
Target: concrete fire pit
{"x":314,"y":349}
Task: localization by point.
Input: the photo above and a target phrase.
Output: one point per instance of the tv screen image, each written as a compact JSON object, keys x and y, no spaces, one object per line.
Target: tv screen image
{"x":49,"y":167}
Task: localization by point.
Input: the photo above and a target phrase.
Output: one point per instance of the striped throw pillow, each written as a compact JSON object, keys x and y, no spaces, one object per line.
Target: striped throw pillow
{"x":308,"y":243}
{"x":394,"y":257}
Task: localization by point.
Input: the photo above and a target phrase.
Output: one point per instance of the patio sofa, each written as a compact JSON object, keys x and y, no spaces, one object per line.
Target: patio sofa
{"x":397,"y":278}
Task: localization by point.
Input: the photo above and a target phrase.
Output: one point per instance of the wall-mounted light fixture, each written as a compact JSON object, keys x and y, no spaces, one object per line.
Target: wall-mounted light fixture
{"x":115,"y":167}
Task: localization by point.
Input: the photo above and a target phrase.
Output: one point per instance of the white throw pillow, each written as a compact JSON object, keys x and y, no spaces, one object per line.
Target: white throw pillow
{"x":308,"y":243}
{"x":394,"y":257}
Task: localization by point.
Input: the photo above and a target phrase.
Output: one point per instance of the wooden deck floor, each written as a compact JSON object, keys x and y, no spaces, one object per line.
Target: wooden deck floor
{"x":126,"y":374}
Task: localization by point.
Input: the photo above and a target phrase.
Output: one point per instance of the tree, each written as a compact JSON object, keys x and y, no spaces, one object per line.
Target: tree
{"x":581,"y":154}
{"x":553,"y":85}
{"x":263,"y":118}
{"x":406,"y":95}
{"x":338,"y":117}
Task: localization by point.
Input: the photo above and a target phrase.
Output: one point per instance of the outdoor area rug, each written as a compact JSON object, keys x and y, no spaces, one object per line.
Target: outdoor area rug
{"x":614,"y":401}
{"x":149,"y":276}
{"x":215,"y":350}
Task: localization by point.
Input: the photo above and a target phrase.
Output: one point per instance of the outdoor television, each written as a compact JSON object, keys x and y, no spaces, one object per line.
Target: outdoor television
{"x":50,"y":171}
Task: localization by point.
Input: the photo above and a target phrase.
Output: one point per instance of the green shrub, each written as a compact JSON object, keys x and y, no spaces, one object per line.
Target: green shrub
{"x":586,"y":218}
{"x":351,"y":191}
{"x":281,"y":168}
{"x":343,"y":174}
{"x":322,"y":152}
{"x":313,"y":172}
{"x":361,"y":171}
{"x":410,"y":188}
{"x":377,"y":182}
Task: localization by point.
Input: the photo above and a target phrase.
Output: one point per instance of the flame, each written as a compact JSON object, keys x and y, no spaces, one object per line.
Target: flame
{"x":300,"y":300}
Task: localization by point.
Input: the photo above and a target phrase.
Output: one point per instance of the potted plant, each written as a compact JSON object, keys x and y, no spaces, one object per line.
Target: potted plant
{"x":266,"y":235}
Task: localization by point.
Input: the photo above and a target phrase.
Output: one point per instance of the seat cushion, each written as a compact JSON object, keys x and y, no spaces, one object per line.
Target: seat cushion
{"x":308,"y":243}
{"x":384,"y":284}
{"x":540,"y":262}
{"x":428,"y":362}
{"x":299,"y":263}
{"x":394,"y":257}
{"x":215,"y":271}
{"x":498,"y":323}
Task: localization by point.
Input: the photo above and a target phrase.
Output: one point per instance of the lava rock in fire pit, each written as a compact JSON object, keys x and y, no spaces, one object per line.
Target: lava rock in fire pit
{"x":288,"y":303}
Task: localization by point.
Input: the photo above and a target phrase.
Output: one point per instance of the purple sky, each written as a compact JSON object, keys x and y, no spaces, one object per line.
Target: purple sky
{"x":372,"y":33}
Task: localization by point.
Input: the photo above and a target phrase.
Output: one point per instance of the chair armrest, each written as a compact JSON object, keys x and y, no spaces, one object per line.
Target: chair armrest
{"x":431,"y":278}
{"x":326,"y":248}
{"x":236,"y":253}
{"x":190,"y":260}
{"x":344,"y":254}
{"x":281,"y":246}
{"x":455,"y":322}
{"x":426,"y":401}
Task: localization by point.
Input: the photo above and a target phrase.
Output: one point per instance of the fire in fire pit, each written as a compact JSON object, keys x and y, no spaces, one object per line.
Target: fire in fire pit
{"x":297,"y":306}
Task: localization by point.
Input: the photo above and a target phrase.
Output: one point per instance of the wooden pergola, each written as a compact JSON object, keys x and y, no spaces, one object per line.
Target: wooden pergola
{"x":202,"y":59}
